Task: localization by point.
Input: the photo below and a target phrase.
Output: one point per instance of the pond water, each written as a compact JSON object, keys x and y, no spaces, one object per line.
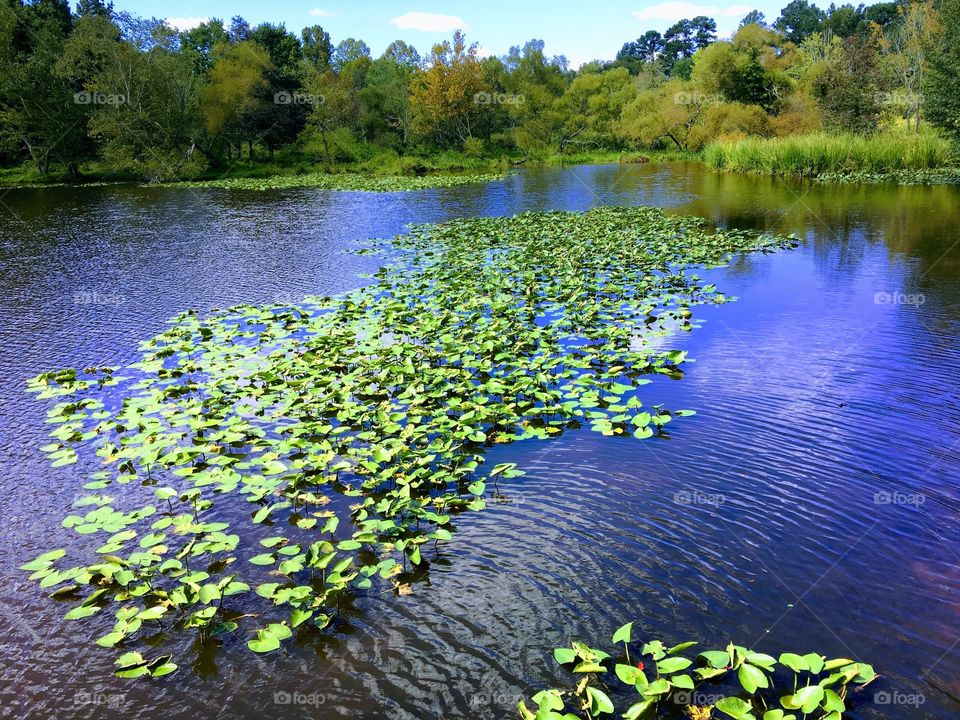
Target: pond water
{"x":811,"y":504}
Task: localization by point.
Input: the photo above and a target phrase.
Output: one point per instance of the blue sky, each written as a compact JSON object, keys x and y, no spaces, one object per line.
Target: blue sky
{"x":580,"y":30}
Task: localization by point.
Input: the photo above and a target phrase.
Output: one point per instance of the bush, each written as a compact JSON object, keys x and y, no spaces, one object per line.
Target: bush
{"x":729,"y":121}
{"x":473,"y":147}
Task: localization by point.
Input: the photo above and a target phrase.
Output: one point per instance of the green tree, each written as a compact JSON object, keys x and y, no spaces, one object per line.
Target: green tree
{"x":348,"y":51}
{"x":906,"y":44}
{"x":682,"y":40}
{"x":336,"y":110}
{"x":235,"y":96}
{"x":41,"y":113}
{"x":317,"y":48}
{"x":941,"y":101}
{"x":385,"y":99}
{"x":199,"y":44}
{"x":799,"y":20}
{"x":845,"y":20}
{"x":645,"y":49}
{"x":592,"y":107}
{"x":754,"y":17}
{"x":850,"y":91}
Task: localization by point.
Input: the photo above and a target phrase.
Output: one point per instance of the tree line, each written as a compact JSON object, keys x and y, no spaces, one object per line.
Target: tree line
{"x":139,"y":97}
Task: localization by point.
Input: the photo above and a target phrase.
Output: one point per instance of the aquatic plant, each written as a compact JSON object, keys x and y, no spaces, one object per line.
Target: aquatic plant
{"x":343,"y":181}
{"x":260,"y":462}
{"x":762,"y":686}
{"x":931,"y":176}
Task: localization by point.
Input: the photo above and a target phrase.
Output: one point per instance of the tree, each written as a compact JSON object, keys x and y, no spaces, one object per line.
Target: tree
{"x":941,"y":101}
{"x":385,"y":99}
{"x":237,"y":92}
{"x":799,"y":20}
{"x":850,"y":91}
{"x":317,"y":48}
{"x":147,"y":116}
{"x":683,"y":39}
{"x":239,"y":29}
{"x":445,"y":95}
{"x":337,"y":111}
{"x":94,"y":8}
{"x":592,"y":107}
{"x":906,"y":44}
{"x":348,"y":51}
{"x":403,"y":54}
{"x":644,"y":49}
{"x":199,"y":44}
{"x":283,"y":48}
{"x":845,"y":20}
{"x":40,"y":113}
{"x":882,"y":14}
{"x":736,"y":72}
{"x":754,"y":17}
{"x":666,"y":113}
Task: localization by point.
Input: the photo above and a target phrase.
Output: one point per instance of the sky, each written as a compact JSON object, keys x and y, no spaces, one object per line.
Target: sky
{"x":581,"y":30}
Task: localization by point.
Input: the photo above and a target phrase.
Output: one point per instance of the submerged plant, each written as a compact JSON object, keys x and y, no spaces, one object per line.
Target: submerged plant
{"x":260,"y":462}
{"x":761,"y":686}
{"x":344,"y":181}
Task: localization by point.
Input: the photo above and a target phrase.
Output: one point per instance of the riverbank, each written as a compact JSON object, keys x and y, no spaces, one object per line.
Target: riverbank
{"x":291,"y":171}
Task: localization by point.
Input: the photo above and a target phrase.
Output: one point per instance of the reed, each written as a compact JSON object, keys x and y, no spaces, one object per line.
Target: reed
{"x":813,"y":155}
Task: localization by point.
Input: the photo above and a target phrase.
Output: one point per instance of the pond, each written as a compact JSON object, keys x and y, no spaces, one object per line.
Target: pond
{"x":811,"y":504}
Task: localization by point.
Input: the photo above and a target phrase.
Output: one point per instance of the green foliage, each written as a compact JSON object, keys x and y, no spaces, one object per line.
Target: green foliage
{"x":181,"y":105}
{"x":850,"y":91}
{"x":942,"y":88}
{"x":809,"y":684}
{"x":814,"y":155}
{"x":310,"y":451}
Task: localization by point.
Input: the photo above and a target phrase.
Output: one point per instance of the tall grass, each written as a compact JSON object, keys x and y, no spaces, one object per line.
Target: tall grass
{"x":811,"y":155}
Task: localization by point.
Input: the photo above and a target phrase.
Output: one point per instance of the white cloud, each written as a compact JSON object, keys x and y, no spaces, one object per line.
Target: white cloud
{"x":183,"y":24}
{"x":675,"y":11}
{"x":484,"y":52}
{"x":319,"y":12}
{"x":429,"y":22}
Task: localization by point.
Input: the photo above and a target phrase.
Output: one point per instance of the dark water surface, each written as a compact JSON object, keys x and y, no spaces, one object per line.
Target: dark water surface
{"x":811,"y":504}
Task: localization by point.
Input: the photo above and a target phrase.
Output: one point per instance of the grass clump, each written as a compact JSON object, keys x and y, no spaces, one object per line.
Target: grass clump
{"x":821,"y":153}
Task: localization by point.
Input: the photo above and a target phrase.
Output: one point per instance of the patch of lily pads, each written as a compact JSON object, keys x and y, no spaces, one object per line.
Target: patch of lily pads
{"x":743,"y":684}
{"x":343,"y":181}
{"x":929,"y":176}
{"x":260,"y":463}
